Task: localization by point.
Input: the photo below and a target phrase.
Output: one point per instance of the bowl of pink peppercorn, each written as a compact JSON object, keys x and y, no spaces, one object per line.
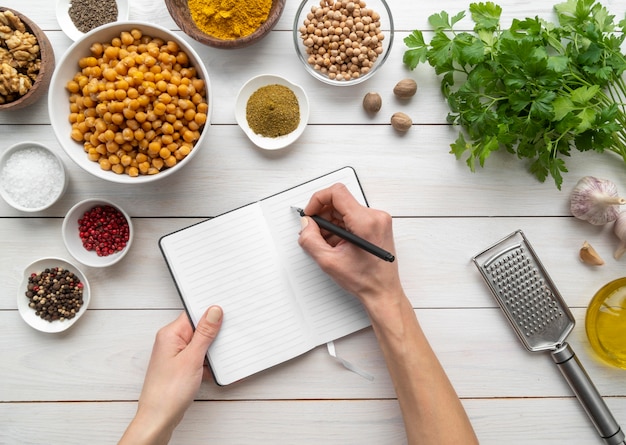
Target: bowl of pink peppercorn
{"x":97,"y":232}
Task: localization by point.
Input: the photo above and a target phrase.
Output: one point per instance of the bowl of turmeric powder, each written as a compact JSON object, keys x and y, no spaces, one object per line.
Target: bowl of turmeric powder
{"x":239,"y":24}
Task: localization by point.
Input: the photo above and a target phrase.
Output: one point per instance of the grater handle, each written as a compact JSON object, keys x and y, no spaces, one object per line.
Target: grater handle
{"x":588,"y":395}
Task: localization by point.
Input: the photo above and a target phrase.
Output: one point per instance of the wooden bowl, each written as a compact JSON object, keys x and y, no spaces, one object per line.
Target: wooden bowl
{"x":42,"y":81}
{"x":179,"y":10}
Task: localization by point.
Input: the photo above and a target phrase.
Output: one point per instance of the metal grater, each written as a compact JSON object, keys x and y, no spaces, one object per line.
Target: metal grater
{"x":525,"y":292}
{"x":542,"y":320}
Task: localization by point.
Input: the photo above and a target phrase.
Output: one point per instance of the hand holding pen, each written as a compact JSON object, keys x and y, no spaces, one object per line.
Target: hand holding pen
{"x":349,"y":236}
{"x":372,"y":280}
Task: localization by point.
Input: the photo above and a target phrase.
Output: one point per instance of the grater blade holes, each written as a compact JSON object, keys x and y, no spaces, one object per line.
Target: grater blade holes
{"x":529,"y":300}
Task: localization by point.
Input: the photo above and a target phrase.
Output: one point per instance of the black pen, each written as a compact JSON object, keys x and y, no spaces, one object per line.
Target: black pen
{"x":349,"y":236}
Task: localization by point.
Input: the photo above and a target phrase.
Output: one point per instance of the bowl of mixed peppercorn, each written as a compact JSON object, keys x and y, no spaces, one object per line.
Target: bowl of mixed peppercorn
{"x":226,"y":25}
{"x":53,"y":295}
{"x":97,"y":232}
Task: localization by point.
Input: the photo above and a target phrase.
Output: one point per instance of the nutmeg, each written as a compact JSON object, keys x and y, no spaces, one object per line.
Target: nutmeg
{"x":405,"y":88}
{"x":401,"y":122}
{"x":372,"y":102}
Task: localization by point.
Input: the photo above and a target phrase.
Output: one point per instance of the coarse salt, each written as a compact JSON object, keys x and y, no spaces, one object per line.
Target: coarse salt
{"x":32,"y":177}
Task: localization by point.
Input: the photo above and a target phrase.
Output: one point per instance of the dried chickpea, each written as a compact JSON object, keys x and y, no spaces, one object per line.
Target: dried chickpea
{"x":136,"y":104}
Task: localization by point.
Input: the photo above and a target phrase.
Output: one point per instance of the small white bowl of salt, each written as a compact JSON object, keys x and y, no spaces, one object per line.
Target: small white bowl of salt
{"x":32,"y":177}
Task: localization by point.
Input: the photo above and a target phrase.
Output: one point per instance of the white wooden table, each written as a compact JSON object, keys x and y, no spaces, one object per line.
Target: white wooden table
{"x":82,"y":386}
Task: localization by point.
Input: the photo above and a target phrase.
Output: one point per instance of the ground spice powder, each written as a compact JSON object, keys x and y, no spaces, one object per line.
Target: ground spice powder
{"x":229,"y":19}
{"x":273,"y":110}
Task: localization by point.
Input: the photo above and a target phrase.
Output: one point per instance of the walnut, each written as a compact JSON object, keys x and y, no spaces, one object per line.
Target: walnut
{"x":5,"y":31}
{"x":7,"y":73}
{"x":32,"y":69}
{"x":12,"y":82}
{"x":5,"y":56}
{"x":22,"y":41}
{"x":23,"y":84}
{"x":20,"y":58}
{"x":7,"y":18}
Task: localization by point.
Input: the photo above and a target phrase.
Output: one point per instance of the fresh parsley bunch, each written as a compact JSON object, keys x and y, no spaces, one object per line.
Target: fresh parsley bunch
{"x":537,"y":89}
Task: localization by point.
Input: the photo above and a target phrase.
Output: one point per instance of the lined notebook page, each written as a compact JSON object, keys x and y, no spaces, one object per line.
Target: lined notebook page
{"x":330,"y":312}
{"x":231,"y":261}
{"x":277,"y":303}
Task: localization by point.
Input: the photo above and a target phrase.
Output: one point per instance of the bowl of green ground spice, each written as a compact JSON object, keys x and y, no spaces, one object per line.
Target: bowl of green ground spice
{"x":227,"y":25}
{"x":77,"y":17}
{"x":272,"y":111}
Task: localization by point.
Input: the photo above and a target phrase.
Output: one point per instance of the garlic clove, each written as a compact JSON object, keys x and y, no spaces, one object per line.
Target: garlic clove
{"x":619,"y":228}
{"x":595,"y":200}
{"x":588,"y":255}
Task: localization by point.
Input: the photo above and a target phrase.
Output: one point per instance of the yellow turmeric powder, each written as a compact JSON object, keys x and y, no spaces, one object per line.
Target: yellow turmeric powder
{"x":229,"y":19}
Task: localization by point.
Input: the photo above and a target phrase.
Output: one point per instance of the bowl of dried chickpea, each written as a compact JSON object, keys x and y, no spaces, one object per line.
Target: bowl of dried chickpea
{"x":343,"y":42}
{"x":130,"y":102}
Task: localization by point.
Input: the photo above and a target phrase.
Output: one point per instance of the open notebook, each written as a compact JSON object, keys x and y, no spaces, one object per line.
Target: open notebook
{"x":277,"y":303}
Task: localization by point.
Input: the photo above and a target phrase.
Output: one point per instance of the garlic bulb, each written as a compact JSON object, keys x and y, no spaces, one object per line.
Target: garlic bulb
{"x":619,"y":228}
{"x":595,"y":200}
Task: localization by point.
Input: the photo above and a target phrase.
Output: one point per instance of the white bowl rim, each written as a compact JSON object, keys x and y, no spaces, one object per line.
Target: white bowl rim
{"x":57,"y":119}
{"x":324,"y":78}
{"x":28,"y":314}
{"x":67,"y":25}
{"x":250,"y":87}
{"x":20,"y":146}
{"x":69,"y":228}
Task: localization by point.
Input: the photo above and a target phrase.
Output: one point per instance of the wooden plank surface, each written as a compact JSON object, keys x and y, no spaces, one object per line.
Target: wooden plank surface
{"x":90,"y":377}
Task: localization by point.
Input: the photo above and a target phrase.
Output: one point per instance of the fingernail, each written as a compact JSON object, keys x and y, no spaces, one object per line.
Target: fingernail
{"x":304,"y":221}
{"x":214,"y":315}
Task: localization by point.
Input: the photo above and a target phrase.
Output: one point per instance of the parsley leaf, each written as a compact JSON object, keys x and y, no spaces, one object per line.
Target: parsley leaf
{"x":538,"y":89}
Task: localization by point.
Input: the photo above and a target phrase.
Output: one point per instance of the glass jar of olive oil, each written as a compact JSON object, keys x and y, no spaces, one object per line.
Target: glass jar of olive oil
{"x":605,"y":323}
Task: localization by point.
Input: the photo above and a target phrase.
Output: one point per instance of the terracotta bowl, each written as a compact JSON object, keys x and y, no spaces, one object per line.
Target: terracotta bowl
{"x":42,"y":81}
{"x":179,"y":10}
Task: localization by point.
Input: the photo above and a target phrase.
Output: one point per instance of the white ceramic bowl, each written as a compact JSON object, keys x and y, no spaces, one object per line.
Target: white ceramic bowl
{"x":34,"y":187}
{"x":28,"y":313}
{"x":67,"y":25}
{"x":74,"y":244}
{"x":386,"y":26}
{"x":269,"y":143}
{"x":58,"y":97}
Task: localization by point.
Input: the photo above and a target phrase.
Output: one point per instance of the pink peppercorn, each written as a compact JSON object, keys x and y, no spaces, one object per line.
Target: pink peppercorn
{"x":103,"y":229}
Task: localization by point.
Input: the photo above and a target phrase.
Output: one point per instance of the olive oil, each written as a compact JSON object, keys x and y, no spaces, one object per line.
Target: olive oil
{"x":606,"y":323}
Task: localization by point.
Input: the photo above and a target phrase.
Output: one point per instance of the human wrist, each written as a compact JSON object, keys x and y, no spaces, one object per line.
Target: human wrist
{"x":147,"y":429}
{"x":386,"y":308}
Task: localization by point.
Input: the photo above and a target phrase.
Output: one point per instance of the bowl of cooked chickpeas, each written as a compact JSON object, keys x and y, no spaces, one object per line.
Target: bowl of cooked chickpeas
{"x":130,"y":102}
{"x":343,"y":42}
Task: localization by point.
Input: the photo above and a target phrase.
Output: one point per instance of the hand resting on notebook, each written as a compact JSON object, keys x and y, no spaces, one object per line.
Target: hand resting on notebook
{"x":431,"y":410}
